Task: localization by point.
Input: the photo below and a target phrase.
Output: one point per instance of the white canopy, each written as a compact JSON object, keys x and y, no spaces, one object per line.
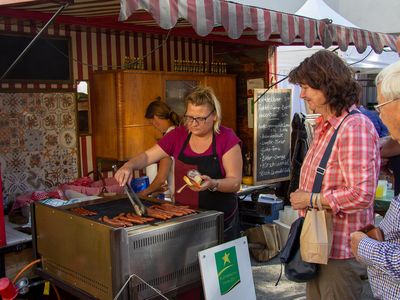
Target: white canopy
{"x":368,"y":61}
{"x":318,"y":9}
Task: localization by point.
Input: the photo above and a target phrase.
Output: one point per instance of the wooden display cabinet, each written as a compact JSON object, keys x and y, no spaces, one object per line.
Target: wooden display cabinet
{"x":120,"y":99}
{"x":224,"y":87}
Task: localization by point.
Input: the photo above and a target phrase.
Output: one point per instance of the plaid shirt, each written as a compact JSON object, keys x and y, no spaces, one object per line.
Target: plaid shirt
{"x":383,"y":259}
{"x":350,"y":178}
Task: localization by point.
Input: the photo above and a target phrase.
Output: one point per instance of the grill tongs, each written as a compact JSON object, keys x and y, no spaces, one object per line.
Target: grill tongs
{"x":138,"y":206}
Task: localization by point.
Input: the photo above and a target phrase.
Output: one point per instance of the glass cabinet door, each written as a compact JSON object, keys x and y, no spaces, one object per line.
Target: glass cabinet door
{"x":176,"y":91}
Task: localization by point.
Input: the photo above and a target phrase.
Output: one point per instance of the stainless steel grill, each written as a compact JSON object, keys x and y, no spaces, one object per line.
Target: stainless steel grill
{"x":90,"y":256}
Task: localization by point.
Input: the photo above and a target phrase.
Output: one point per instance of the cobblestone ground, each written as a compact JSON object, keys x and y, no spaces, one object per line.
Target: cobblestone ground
{"x":265,"y":276}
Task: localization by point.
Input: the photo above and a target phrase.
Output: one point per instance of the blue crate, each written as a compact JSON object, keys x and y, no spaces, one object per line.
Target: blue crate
{"x":264,"y":210}
{"x":275,"y":203}
{"x":272,"y":217}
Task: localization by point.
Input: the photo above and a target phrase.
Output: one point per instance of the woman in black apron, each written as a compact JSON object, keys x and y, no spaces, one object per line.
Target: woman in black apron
{"x":201,"y":144}
{"x":207,"y":199}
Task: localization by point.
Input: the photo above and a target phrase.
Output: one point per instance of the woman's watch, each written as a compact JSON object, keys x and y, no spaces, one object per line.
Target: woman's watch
{"x":215,"y":188}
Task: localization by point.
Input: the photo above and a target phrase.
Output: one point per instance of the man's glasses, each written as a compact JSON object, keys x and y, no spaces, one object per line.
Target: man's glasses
{"x":198,"y":120}
{"x":379,"y":106}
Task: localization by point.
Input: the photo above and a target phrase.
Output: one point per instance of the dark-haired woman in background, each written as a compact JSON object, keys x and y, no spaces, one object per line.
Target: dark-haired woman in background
{"x":164,"y":120}
{"x":349,"y":183}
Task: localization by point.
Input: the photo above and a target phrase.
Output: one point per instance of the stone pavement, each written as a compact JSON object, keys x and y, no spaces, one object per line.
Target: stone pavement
{"x":266,"y":274}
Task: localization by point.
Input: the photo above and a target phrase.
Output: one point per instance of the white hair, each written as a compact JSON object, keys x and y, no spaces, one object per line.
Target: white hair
{"x":389,"y":81}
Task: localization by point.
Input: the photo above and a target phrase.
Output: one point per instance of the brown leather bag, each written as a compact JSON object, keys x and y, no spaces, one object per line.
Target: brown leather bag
{"x":373,"y":232}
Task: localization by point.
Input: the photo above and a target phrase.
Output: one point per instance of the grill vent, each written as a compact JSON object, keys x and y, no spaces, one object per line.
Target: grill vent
{"x":179,"y":274}
{"x":61,"y":271}
{"x":173,"y":234}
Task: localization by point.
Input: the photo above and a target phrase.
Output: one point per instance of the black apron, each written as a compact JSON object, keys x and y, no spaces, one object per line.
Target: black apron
{"x":224,"y":202}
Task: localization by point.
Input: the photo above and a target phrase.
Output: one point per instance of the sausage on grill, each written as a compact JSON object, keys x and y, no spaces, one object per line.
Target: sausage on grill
{"x":112,"y":222}
{"x":126,"y":217}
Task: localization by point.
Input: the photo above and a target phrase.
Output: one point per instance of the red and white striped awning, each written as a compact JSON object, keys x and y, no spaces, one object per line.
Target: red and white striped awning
{"x":206,"y":16}
{"x":218,"y":20}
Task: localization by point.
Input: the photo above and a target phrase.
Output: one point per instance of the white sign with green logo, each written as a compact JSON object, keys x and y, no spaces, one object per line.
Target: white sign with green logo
{"x":226,"y":271}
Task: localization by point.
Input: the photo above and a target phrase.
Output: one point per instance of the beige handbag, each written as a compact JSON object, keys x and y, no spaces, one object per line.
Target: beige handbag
{"x":264,"y":241}
{"x":316,"y":236}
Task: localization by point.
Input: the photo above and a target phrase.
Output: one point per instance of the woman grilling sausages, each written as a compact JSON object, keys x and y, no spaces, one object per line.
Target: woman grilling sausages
{"x":201,"y":144}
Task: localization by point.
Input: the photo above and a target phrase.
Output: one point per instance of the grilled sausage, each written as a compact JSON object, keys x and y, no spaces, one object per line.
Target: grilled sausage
{"x":176,"y":211}
{"x":112,"y":222}
{"x":169,"y":211}
{"x":156,"y":214}
{"x":137,"y":218}
{"x":161,"y":211}
{"x":121,"y":219}
{"x":83,"y":211}
{"x":126,"y":217}
{"x":183,"y":208}
{"x":144,"y":219}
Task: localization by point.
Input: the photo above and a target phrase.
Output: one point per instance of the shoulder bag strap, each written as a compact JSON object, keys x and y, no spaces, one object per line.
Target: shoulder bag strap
{"x":319,"y":176}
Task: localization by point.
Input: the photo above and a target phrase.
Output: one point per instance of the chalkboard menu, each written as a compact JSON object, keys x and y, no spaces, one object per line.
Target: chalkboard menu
{"x":272,"y":113}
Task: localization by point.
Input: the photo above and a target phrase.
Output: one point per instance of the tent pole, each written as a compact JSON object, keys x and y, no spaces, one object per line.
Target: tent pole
{"x":65,"y":5}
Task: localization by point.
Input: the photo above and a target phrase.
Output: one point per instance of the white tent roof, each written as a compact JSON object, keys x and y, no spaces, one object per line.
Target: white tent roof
{"x":372,"y":63}
{"x":291,"y":56}
{"x":318,"y":9}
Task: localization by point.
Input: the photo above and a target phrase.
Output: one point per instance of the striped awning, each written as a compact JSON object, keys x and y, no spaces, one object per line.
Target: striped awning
{"x":207,"y":15}
{"x":212,"y":19}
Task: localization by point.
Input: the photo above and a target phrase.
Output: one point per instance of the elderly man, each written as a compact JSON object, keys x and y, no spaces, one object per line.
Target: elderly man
{"x":383,"y":258}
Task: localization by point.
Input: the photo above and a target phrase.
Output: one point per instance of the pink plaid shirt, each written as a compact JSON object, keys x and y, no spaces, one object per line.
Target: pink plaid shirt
{"x":350,"y":178}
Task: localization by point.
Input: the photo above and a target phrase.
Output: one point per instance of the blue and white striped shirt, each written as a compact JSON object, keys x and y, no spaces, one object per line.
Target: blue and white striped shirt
{"x":383,"y":258}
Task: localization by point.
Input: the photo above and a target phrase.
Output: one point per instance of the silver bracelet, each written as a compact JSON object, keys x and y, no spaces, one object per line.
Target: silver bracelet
{"x":215,"y":188}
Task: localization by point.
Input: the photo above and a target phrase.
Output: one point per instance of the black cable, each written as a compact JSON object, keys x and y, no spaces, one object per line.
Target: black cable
{"x":362,"y":58}
{"x":271,"y":86}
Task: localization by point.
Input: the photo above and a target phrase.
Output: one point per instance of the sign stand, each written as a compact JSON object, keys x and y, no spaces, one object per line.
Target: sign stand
{"x":226,"y":271}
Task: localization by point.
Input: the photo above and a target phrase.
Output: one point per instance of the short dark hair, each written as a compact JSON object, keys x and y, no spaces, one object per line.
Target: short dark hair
{"x":327,"y":72}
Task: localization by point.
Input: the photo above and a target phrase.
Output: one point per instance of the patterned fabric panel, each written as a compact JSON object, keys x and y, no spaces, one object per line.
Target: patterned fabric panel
{"x":38,"y":141}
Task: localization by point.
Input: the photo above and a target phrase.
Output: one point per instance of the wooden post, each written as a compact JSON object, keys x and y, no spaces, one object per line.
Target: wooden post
{"x":3,"y":241}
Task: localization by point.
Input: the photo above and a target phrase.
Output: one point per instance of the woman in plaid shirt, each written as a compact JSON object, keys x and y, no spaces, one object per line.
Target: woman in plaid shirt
{"x":348,"y":187}
{"x":383,"y":258}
